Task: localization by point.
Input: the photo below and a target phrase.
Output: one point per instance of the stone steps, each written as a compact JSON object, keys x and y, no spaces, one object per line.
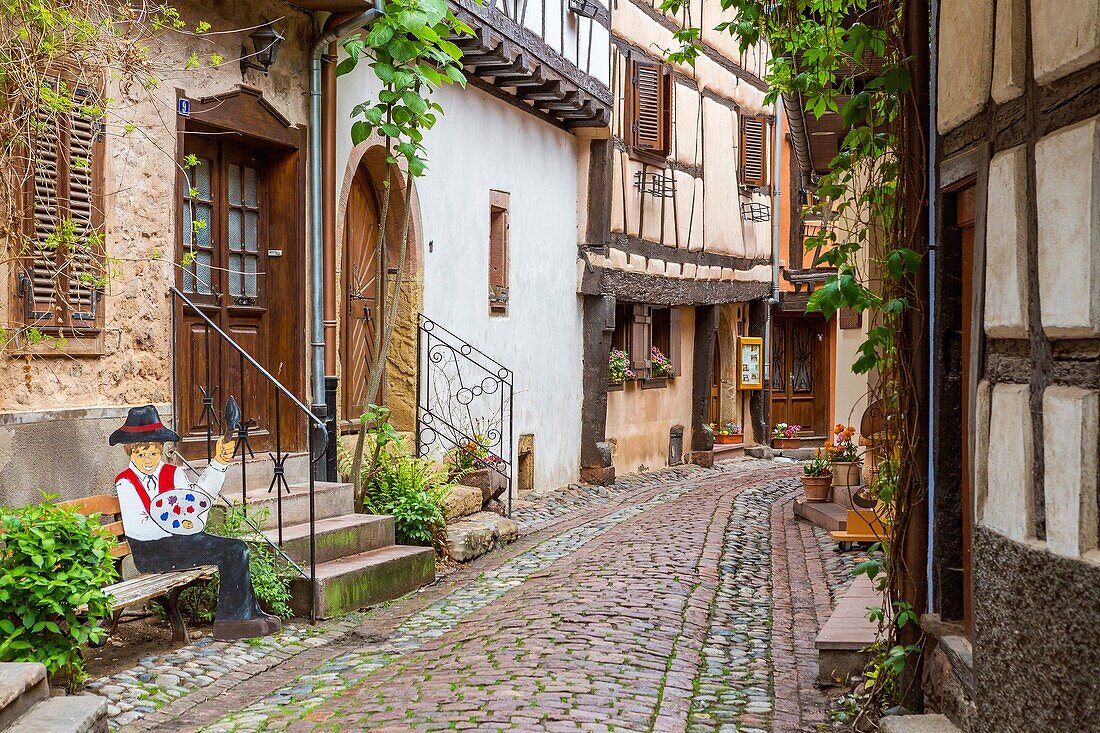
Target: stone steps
{"x":26,"y":705}
{"x":348,"y":534}
{"x":330,"y":500}
{"x":917,"y":724}
{"x":366,"y":579}
{"x":475,"y":534}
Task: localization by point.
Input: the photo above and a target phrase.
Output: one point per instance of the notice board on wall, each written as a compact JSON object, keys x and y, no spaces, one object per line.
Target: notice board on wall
{"x":750,"y":362}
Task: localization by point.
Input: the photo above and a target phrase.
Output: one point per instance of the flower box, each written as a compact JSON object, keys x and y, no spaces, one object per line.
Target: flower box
{"x":736,"y":439}
{"x":654,"y":382}
{"x":789,"y":443}
{"x":615,"y":386}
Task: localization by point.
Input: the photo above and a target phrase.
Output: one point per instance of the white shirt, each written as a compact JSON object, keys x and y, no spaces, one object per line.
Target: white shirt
{"x":136,"y":522}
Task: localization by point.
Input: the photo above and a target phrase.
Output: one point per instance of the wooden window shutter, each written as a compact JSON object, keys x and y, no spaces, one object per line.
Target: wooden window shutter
{"x":498,"y":258}
{"x":641,"y":338}
{"x":753,"y":151}
{"x":674,"y":339}
{"x":60,"y":280}
{"x":650,"y":106}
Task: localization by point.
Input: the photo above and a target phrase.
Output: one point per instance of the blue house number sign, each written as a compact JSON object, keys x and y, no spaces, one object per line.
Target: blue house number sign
{"x":183,"y":107}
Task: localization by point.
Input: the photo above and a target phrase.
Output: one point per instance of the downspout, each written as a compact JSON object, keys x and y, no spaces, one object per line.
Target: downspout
{"x":316,"y":231}
{"x":773,"y":299}
{"x":932,"y":243}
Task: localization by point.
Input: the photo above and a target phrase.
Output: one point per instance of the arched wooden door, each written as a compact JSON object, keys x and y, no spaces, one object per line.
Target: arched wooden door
{"x":362,"y":295}
{"x":714,"y":411}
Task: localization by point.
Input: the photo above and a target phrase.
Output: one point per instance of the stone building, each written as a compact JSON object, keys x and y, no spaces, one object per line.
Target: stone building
{"x":675,"y":267}
{"x":1016,"y":333}
{"x":129,"y":342}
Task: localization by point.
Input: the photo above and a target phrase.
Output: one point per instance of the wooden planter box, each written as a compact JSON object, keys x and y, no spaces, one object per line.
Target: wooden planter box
{"x":786,"y":443}
{"x":615,"y":386}
{"x":735,"y":439}
{"x":817,"y":487}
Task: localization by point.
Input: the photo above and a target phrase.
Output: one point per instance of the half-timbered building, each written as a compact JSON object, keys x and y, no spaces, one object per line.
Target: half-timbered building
{"x":675,"y":264}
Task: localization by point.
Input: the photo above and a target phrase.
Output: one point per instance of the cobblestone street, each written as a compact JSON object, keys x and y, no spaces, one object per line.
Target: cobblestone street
{"x":682,"y":600}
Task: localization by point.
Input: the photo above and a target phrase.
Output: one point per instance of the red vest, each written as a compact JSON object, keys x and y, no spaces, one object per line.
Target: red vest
{"x":166,"y":481}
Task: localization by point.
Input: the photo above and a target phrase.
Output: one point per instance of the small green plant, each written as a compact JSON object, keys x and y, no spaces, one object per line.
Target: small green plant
{"x":270,"y":579}
{"x":52,"y":561}
{"x":818,"y":467}
{"x":408,"y":488}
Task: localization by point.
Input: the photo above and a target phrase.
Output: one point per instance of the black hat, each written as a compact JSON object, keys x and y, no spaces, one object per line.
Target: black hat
{"x":143,"y":425}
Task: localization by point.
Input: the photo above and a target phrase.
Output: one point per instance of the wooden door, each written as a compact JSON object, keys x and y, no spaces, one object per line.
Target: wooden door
{"x":714,"y":411}
{"x":223,"y":256}
{"x":362,"y":294}
{"x":800,"y":389}
{"x":965,"y":216}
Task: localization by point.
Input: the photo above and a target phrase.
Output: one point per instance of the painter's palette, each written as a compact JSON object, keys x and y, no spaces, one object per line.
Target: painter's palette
{"x":180,"y":511}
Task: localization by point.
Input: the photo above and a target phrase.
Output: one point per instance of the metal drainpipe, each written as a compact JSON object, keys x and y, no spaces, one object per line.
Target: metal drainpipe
{"x":316,"y":259}
{"x":932,"y":184}
{"x":773,"y":299}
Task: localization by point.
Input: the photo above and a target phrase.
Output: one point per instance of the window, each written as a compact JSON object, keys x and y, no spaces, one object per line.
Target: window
{"x":639,"y":328}
{"x":649,"y":107}
{"x":60,"y":273}
{"x":753,"y":151}
{"x":498,"y":253}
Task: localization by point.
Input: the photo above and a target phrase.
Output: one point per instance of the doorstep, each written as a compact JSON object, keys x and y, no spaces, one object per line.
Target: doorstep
{"x":728,"y":451}
{"x":842,"y":642}
{"x":826,"y":514}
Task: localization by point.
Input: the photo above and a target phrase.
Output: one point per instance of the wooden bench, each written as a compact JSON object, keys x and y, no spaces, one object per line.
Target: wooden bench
{"x":161,"y":588}
{"x":861,"y":525}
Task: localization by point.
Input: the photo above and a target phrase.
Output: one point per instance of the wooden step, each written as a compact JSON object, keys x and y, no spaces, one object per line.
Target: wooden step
{"x":841,"y":642}
{"x":331,"y":500}
{"x":348,"y":534}
{"x":827,"y":514}
{"x":363,"y":580}
{"x":22,"y":686}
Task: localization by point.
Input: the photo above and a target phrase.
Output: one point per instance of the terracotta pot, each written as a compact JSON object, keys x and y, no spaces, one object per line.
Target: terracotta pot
{"x":846,"y":473}
{"x":736,"y":439}
{"x":786,"y":443}
{"x":817,"y":487}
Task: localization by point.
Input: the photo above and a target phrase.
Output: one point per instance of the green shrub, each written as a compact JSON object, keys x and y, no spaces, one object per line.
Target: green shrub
{"x":397,"y":483}
{"x":53,"y":560}
{"x":270,"y":578}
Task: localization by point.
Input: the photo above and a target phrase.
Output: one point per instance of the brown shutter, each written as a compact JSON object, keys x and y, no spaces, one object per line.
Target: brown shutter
{"x":674,"y":339}
{"x":641,"y":338}
{"x":62,"y":280}
{"x":754,"y":154}
{"x":650,"y":106}
{"x":84,"y":261}
{"x":498,"y":249}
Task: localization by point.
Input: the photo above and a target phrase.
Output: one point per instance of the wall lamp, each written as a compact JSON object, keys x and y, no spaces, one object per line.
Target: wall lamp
{"x":265,"y":43}
{"x":585,"y":8}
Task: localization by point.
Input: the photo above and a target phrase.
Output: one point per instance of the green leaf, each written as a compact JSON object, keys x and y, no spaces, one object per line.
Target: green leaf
{"x":380,"y":34}
{"x":360,"y":131}
{"x":415,"y":102}
{"x":346,"y":66}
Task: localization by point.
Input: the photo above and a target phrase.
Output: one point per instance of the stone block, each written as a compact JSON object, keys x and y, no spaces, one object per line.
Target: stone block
{"x":364,"y":580}
{"x":598,"y":475}
{"x":1009,"y":486}
{"x":966,"y":60}
{"x":1006,"y":294}
{"x":1067,"y":168}
{"x":917,"y":724}
{"x":673,"y":269}
{"x":617,"y":257}
{"x":65,"y":714}
{"x":1009,"y":68}
{"x":690,"y":270}
{"x":22,"y":686}
{"x":1070,"y":416}
{"x":655,"y":267}
{"x":1065,"y":37}
{"x":478,"y":533}
{"x":460,"y":501}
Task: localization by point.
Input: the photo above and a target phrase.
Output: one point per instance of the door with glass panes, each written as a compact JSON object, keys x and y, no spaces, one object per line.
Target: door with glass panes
{"x":222,"y":265}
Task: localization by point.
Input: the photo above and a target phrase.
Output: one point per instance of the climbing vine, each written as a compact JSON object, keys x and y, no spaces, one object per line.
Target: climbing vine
{"x":849,"y":57}
{"x":409,"y":53}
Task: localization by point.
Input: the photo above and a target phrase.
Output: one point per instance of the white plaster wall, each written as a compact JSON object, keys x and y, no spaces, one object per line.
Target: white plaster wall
{"x":480,"y":144}
{"x":580,"y":40}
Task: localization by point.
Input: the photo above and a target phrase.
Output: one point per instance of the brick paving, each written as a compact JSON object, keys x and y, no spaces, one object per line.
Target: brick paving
{"x":680,"y":600}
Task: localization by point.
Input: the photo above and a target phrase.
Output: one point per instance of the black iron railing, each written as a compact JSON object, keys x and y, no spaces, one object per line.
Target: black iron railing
{"x":248,"y":426}
{"x":464,"y":403}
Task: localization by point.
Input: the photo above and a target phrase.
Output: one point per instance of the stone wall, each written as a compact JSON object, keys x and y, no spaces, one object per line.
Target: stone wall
{"x":54,"y":409}
{"x":1027,"y":111}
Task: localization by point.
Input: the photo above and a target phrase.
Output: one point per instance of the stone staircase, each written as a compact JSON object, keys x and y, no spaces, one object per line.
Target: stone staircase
{"x":26,"y":705}
{"x":358,"y":563}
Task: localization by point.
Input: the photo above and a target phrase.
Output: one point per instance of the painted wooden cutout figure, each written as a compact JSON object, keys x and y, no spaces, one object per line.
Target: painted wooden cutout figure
{"x":164,"y":518}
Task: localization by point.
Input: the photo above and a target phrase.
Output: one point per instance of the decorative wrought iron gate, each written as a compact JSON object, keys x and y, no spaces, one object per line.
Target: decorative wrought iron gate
{"x":464,"y":403}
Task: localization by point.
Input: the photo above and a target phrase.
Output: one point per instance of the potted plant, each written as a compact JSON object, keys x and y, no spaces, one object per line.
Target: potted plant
{"x":728,"y":434}
{"x":786,"y":436}
{"x":660,"y":366}
{"x":841,"y":450}
{"x":618,"y":369}
{"x":817,"y":478}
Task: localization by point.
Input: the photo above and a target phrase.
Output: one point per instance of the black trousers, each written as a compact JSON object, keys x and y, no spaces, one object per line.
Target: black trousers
{"x":236,"y":601}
